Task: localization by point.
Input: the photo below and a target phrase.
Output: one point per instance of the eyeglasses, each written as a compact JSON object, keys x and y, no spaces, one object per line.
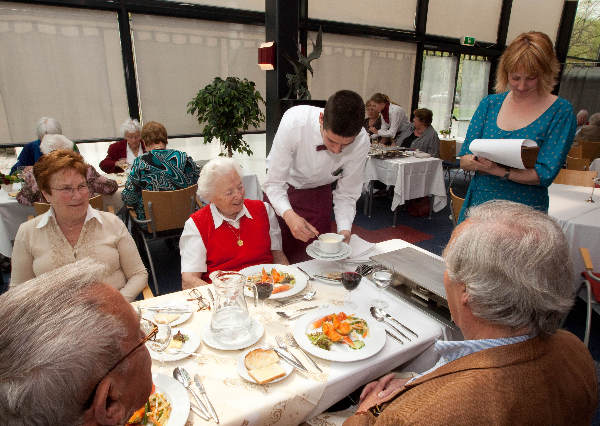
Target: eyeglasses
{"x":151,"y":330}
{"x":69,"y":190}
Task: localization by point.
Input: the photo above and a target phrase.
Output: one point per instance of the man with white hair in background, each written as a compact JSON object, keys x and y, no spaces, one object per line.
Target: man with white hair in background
{"x":508,"y":285}
{"x":31,"y":152}
{"x":591,"y":131}
{"x":72,"y":351}
{"x":230,"y":233}
{"x":582,"y":118}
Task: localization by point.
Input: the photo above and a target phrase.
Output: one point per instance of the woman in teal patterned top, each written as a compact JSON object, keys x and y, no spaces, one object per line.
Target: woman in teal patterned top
{"x":527,"y":110}
{"x":159,"y":169}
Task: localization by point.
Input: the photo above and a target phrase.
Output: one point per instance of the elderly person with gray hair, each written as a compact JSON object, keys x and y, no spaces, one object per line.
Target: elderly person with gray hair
{"x":121,"y":154}
{"x":591,"y":131}
{"x":507,"y":281}
{"x":31,"y":152}
{"x":73,"y":351}
{"x":231,"y":232}
{"x":30,"y":192}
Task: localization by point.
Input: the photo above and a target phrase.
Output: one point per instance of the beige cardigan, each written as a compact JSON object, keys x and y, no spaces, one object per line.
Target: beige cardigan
{"x":40,"y":246}
{"x":542,"y":381}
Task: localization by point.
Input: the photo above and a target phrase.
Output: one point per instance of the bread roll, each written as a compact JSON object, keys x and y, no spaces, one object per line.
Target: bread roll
{"x":267,"y":374}
{"x":263,"y":365}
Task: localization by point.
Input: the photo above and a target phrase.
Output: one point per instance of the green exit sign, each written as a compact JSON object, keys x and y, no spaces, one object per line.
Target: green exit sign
{"x":468,"y":41}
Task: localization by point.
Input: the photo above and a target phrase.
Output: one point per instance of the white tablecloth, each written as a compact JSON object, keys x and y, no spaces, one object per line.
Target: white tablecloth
{"x":412,"y":177}
{"x":579,"y":220}
{"x":299,"y":396}
{"x":12,"y":215}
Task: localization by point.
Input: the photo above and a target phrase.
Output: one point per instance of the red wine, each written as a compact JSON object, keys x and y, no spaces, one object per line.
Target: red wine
{"x":350,"y":280}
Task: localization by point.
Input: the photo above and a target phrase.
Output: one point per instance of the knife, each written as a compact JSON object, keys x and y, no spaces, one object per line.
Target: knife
{"x":200,"y":387}
{"x":290,"y":361}
{"x":167,"y":309}
{"x":389,"y":333}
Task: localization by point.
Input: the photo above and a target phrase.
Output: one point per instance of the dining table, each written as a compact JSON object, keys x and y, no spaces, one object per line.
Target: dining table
{"x":412,"y":177}
{"x":580,"y":221}
{"x":301,"y":395}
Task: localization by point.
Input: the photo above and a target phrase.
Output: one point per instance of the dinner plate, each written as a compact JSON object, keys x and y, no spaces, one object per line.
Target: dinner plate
{"x":177,"y":397}
{"x":243,"y":371}
{"x":300,"y":278}
{"x":171,"y":354}
{"x":315,"y":253}
{"x":374,"y":341}
{"x":178,"y":305}
{"x":256,"y":332}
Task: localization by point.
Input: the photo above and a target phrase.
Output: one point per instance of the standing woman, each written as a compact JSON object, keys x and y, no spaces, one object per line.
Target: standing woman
{"x":523,"y":108}
{"x":394,"y":117}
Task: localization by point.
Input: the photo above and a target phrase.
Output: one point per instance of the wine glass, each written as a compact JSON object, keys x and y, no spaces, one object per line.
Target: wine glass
{"x":595,"y":181}
{"x":350,"y":280}
{"x":160,"y":340}
{"x":382,"y":280}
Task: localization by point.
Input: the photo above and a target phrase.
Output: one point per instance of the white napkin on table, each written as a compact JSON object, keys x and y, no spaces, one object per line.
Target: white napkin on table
{"x":361,"y":249}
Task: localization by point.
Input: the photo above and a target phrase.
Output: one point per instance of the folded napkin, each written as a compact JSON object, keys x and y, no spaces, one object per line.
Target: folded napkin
{"x":361,"y":249}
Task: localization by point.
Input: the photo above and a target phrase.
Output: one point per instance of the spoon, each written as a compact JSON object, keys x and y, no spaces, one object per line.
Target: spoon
{"x":378,"y":315}
{"x":307,"y":296}
{"x":183,"y":377}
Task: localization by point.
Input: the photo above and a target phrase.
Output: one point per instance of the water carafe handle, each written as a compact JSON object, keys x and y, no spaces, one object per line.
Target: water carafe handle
{"x":250,"y":284}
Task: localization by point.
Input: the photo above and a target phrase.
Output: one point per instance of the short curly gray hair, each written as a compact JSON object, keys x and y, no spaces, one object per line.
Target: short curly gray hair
{"x":130,"y":126}
{"x":514,"y":262}
{"x":212,"y":171}
{"x":48,"y":126}
{"x":53,"y":142}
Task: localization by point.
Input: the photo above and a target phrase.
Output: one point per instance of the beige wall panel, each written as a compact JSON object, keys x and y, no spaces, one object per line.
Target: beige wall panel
{"x":381,"y":13}
{"x":459,"y":18}
{"x":365,"y":66}
{"x":534,"y":15}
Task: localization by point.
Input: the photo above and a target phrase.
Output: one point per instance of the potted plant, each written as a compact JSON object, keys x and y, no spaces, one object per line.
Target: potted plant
{"x":227,"y":108}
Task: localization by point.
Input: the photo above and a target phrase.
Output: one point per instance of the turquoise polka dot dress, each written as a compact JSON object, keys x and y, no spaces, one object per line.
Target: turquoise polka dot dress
{"x":553,"y":131}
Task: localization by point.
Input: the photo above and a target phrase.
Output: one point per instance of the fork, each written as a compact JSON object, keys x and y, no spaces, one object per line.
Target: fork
{"x":283,"y":346}
{"x":292,"y":342}
{"x":296,"y":314}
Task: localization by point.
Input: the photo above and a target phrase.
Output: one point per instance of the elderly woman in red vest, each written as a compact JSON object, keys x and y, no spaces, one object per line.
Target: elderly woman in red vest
{"x":231,"y":232}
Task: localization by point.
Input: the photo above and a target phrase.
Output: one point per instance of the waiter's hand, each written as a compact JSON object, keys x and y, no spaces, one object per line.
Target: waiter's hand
{"x":346,"y":235}
{"x":300,"y":228}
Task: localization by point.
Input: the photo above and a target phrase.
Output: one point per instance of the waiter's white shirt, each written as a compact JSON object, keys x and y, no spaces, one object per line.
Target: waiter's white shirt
{"x":398,"y":120}
{"x":131,"y":156}
{"x":294,"y":161}
{"x":191,"y":245}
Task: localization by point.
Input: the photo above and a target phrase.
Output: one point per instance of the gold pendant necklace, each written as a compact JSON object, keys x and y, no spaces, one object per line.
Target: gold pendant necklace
{"x":237,"y":235}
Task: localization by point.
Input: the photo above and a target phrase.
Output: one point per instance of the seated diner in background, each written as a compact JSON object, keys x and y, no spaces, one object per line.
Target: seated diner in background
{"x":121,"y":154}
{"x":71,"y":229}
{"x":394,"y":118}
{"x":591,"y":131}
{"x":420,"y":134}
{"x":514,"y":366}
{"x":231,"y":233}
{"x":30,"y":192}
{"x":158,"y":169}
{"x":72,"y":351}
{"x":373,"y":120}
{"x":522,"y":108}
{"x":582,"y":118}
{"x":31,"y":152}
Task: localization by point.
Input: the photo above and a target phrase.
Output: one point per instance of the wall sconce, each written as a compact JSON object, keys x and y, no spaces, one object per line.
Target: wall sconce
{"x":266,"y":56}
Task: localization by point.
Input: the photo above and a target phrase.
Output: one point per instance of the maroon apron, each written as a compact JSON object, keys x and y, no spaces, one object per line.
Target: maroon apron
{"x":315,"y":205}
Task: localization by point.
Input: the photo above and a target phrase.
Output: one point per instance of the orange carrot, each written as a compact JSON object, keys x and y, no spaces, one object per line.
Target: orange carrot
{"x":281,"y":288}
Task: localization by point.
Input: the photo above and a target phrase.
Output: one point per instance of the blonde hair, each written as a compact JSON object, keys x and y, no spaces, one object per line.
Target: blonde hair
{"x":531,"y":53}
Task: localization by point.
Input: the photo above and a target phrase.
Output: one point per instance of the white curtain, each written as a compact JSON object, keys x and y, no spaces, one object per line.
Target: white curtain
{"x":176,"y":57}
{"x":472,"y":88}
{"x":364,"y":65}
{"x":437,"y":88}
{"x":63,"y":63}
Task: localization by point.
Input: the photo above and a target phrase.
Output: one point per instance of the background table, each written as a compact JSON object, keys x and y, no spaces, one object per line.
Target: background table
{"x":579,"y":220}
{"x":300,"y":396}
{"x":12,"y":215}
{"x":412,"y":177}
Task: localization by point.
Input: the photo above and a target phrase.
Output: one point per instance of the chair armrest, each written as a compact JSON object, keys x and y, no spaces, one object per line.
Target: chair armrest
{"x":147,"y":293}
{"x":133,"y":217}
{"x":587,"y":259}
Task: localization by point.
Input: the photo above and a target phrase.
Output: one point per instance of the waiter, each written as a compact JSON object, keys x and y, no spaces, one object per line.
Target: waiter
{"x":313,"y":148}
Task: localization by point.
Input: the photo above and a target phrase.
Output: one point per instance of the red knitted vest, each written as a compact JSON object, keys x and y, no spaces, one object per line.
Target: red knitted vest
{"x":222,"y":250}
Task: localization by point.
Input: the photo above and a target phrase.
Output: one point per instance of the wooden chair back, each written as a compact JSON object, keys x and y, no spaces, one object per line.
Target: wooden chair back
{"x":448,"y":150}
{"x":578,"y":163}
{"x":590,"y":150}
{"x":456,"y":204}
{"x":147,"y":293}
{"x":576,"y":177}
{"x":169,"y":209}
{"x":575,"y":151}
{"x":41,"y":208}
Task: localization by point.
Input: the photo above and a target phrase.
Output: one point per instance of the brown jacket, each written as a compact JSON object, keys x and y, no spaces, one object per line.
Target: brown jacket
{"x":542,"y":381}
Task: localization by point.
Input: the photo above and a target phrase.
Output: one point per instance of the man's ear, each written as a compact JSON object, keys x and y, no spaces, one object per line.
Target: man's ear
{"x":464,"y":296}
{"x":321,"y":118}
{"x":107,"y":407}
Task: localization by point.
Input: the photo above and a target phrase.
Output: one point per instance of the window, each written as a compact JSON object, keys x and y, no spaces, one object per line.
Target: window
{"x":437,"y":86}
{"x":471,"y":88}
